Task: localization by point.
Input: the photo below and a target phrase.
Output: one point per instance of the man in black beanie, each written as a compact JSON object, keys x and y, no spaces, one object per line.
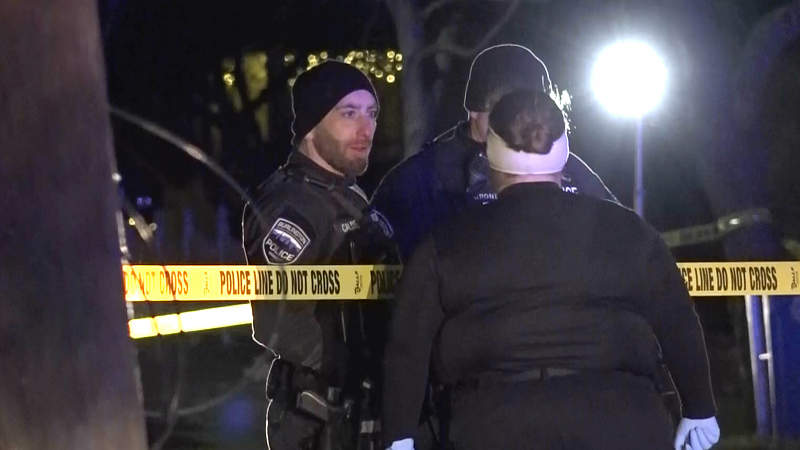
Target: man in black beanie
{"x":451,"y":172}
{"x":312,"y":212}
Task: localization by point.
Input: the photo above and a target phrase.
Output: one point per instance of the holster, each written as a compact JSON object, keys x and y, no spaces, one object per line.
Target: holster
{"x":299,"y":390}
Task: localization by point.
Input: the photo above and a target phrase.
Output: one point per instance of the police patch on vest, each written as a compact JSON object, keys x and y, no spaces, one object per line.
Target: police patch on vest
{"x":285,"y":242}
{"x":383,"y":222}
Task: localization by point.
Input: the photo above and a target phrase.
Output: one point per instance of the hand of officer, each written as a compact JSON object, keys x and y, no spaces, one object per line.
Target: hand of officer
{"x":697,"y":434}
{"x":403,"y":444}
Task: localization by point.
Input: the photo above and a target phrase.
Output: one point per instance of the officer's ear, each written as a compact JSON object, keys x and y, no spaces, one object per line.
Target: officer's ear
{"x":307,"y":140}
{"x":481,"y":120}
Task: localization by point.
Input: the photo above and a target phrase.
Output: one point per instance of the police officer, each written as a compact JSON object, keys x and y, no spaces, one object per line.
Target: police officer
{"x":545,"y":311}
{"x":450,"y":173}
{"x":312,"y":212}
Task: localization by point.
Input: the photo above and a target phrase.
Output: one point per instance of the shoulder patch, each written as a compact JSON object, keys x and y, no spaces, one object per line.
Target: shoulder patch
{"x":382,"y":222}
{"x":285,"y":242}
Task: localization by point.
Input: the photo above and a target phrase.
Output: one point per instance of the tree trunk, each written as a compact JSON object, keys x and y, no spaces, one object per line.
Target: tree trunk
{"x":733,"y":158}
{"x":416,"y":107}
{"x":67,"y":379}
{"x":735,"y":168}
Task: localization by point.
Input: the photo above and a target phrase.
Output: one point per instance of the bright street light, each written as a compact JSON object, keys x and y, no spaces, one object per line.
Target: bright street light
{"x":629,"y":79}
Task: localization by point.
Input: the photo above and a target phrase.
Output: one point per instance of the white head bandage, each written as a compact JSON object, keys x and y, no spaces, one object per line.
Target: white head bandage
{"x":507,"y":160}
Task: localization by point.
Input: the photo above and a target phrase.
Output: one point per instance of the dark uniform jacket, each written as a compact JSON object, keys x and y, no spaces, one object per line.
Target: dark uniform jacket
{"x":540,"y":279}
{"x":449,"y":175}
{"x":312,"y":216}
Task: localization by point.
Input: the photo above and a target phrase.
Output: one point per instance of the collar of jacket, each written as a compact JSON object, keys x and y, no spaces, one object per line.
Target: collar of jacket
{"x":469,"y":145}
{"x":299,"y":162}
{"x":530,"y":186}
{"x":476,"y":169}
{"x":453,"y":152}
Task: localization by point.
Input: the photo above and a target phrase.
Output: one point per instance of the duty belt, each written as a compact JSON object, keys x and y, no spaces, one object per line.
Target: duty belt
{"x":535,"y":375}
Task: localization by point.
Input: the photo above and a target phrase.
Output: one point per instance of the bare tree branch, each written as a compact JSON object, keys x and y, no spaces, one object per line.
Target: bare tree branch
{"x":734,"y":165}
{"x":433,"y":7}
{"x":461,"y":51}
{"x":439,"y":4}
{"x":767,"y":42}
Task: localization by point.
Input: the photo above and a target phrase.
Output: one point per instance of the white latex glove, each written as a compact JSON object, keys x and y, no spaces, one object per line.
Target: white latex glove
{"x":403,"y":444}
{"x":697,"y":434}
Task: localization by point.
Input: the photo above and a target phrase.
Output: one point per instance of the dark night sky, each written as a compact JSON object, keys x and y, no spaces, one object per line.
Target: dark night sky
{"x":160,"y":53}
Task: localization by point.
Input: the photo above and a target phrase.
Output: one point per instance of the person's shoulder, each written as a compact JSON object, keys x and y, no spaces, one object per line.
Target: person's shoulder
{"x":581,"y":179}
{"x":612,"y":209}
{"x":285,"y":218}
{"x":281,"y":188}
{"x":281,"y":195}
{"x":617,"y":218}
{"x":469,"y":225}
{"x":577,"y":169}
{"x":421,"y":160}
{"x":410,"y":165}
{"x":574,"y":162}
{"x":413,"y":170}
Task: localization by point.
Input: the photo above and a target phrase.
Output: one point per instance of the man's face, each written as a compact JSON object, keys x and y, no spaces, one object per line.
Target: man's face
{"x":343,"y":139}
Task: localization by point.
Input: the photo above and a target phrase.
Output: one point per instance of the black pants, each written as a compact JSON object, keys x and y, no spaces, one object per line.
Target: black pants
{"x":591,"y":411}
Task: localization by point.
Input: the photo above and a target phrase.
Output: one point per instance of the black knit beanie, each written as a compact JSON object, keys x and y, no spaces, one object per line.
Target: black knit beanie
{"x":501,"y":69}
{"x":317,"y":90}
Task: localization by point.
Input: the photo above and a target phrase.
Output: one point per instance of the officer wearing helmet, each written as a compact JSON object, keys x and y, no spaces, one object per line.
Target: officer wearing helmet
{"x":451,"y":172}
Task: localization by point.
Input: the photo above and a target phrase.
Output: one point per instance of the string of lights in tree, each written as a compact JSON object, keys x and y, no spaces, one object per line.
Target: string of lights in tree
{"x":378,"y":65}
{"x":383,"y":66}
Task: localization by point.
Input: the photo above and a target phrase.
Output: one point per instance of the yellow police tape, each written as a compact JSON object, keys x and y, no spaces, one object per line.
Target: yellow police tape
{"x":272,"y":283}
{"x":741,"y":278}
{"x":238,"y":283}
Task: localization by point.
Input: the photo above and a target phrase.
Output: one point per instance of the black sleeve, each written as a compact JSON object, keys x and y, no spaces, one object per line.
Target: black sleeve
{"x":416,"y":317}
{"x":677,"y":328}
{"x":403,"y":197}
{"x":286,"y":234}
{"x":586,"y":180}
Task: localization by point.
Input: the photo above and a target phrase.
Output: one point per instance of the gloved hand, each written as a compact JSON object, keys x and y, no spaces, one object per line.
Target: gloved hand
{"x":403,"y":444}
{"x":697,"y":434}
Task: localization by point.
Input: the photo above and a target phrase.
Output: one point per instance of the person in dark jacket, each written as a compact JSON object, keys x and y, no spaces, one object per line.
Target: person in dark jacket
{"x":312,"y":212}
{"x":451,"y":172}
{"x":545,"y":311}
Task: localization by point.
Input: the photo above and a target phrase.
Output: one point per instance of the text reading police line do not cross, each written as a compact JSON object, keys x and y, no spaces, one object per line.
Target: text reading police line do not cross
{"x":715,"y":279}
{"x":237,"y":283}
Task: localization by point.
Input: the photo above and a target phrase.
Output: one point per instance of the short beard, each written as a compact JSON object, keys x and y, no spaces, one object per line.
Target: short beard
{"x":334,"y":153}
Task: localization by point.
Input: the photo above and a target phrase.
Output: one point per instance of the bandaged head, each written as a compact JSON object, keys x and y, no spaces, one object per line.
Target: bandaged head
{"x":527,"y":135}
